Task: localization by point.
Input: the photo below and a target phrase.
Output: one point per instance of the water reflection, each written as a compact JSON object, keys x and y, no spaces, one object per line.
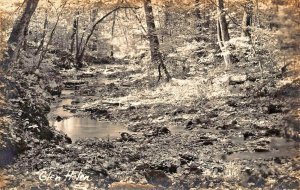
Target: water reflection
{"x":280,"y":147}
{"x":60,"y":110}
{"x":77,"y":128}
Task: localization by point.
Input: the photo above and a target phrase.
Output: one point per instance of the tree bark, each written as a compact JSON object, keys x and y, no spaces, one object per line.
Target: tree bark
{"x":247,"y":19}
{"x":112,"y":35}
{"x":73,"y":36}
{"x":16,"y":38}
{"x":45,"y":49}
{"x":156,"y":56}
{"x":222,"y":20}
{"x":198,"y":19}
{"x":41,"y":45}
{"x":257,"y":14}
{"x":197,"y":9}
{"x":223,"y":34}
{"x":25,"y":38}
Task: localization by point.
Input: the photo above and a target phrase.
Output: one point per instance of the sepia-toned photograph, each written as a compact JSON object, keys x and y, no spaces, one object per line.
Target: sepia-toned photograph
{"x":149,"y":94}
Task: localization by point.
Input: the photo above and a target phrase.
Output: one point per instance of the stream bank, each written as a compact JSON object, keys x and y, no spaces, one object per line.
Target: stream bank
{"x":179,"y":135}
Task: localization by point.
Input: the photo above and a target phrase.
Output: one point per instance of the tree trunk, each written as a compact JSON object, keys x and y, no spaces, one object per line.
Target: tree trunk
{"x":197,"y":9}
{"x":206,"y":14}
{"x":257,"y":14}
{"x":73,"y":36}
{"x":222,"y":20}
{"x":247,"y":19}
{"x":156,"y":57}
{"x":77,"y":45}
{"x":198,"y":19}
{"x":112,"y":35}
{"x":45,"y":49}
{"x":16,"y":38}
{"x":41,"y":45}
{"x":25,"y":38}
{"x":223,"y":34}
{"x":167,"y":15}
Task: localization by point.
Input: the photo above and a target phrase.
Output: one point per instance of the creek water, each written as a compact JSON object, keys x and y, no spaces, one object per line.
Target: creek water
{"x":79,"y":126}
{"x":84,"y":127}
{"x":279,"y":147}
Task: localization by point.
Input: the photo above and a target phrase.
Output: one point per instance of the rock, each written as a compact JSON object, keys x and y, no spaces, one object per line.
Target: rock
{"x":273,"y":132}
{"x":76,"y":101}
{"x":112,"y":86}
{"x":108,"y":165}
{"x":136,"y":127}
{"x":58,"y":118}
{"x":261,"y":149}
{"x":252,"y":78}
{"x":272,"y":109}
{"x":97,"y":111}
{"x":99,"y":171}
{"x":212,"y":114}
{"x":205,"y":143}
{"x":278,"y":160}
{"x":256,"y":181}
{"x":127,"y":137}
{"x":287,"y":183}
{"x":227,"y":126}
{"x":157,"y":131}
{"x":131,"y":186}
{"x":7,"y":156}
{"x":189,"y":125}
{"x":101,"y":112}
{"x":85,"y":75}
{"x":54,"y":92}
{"x":73,"y":83}
{"x":68,"y":139}
{"x":195,"y":169}
{"x":206,"y":140}
{"x":201,"y":120}
{"x":192,"y":111}
{"x":177,"y":111}
{"x":186,"y":158}
{"x":237,"y":79}
{"x":166,"y":166}
{"x":248,"y":135}
{"x":156,"y":177}
{"x":232,"y":103}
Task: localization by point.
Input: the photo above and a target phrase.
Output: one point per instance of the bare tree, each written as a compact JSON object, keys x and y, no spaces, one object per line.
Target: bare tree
{"x":247,"y":18}
{"x":156,"y":56}
{"x":222,"y":33}
{"x":59,"y":12}
{"x":198,"y":19}
{"x":41,"y":44}
{"x":74,"y":32}
{"x":16,"y":38}
{"x":112,"y":34}
{"x":81,"y":44}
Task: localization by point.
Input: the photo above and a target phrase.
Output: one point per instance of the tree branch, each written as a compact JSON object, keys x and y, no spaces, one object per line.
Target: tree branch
{"x":99,"y":21}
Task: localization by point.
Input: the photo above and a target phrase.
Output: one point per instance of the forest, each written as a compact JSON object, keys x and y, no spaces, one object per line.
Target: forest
{"x":149,"y":94}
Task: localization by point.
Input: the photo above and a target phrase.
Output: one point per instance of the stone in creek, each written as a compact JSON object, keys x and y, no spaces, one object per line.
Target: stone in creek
{"x":261,"y":149}
{"x":248,"y":135}
{"x":158,"y":131}
{"x":272,"y":109}
{"x":127,"y":137}
{"x":273,"y":132}
{"x":238,"y":79}
{"x":157,"y":177}
{"x":58,"y":118}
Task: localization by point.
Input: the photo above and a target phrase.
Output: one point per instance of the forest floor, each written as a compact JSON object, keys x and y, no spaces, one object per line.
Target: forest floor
{"x":205,"y":129}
